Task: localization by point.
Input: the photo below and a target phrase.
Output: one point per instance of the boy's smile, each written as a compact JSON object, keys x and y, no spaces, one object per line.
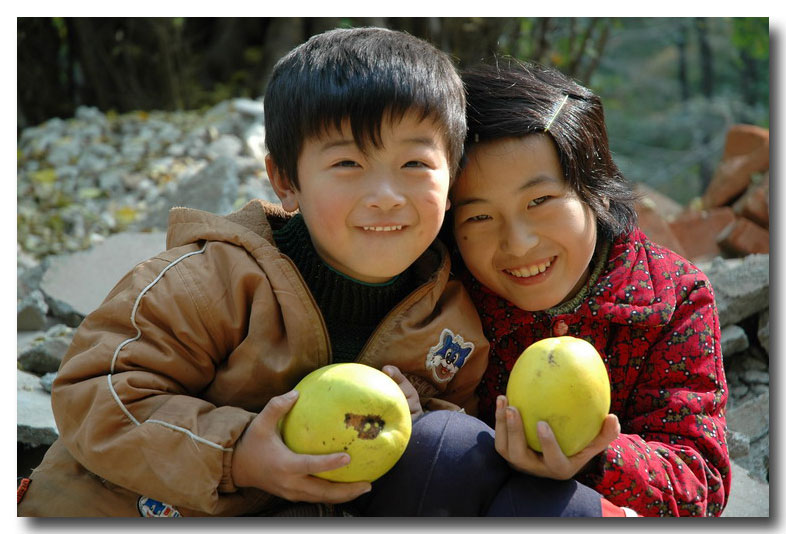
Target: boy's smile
{"x":371,"y":213}
{"x":520,"y":230}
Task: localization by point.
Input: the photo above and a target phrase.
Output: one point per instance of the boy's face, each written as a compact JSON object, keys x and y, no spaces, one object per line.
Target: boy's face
{"x":371,"y":215}
{"x":522,"y":232}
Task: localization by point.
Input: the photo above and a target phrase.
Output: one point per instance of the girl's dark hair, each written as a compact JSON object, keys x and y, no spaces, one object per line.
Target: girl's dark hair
{"x":514,"y":99}
{"x":360,"y":74}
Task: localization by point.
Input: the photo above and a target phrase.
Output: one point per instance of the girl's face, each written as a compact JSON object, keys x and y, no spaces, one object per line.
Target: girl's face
{"x":522,"y":232}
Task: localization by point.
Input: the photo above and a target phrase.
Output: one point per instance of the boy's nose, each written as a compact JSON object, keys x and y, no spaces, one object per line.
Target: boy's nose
{"x":518,"y":238}
{"x":385,"y":196}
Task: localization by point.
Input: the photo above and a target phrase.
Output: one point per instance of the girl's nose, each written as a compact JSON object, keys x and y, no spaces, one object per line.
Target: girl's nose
{"x":518,"y":238}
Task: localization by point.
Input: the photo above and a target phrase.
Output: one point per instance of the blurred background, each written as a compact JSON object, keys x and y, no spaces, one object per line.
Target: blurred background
{"x":671,"y":86}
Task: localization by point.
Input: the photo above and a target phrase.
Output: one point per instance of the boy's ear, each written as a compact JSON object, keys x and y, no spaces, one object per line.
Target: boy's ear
{"x":281,"y":185}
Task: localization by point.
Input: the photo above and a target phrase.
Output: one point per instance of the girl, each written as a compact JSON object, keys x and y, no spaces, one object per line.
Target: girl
{"x":545,"y":225}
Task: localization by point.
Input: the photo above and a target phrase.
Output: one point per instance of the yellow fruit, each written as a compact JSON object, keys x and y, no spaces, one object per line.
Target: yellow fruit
{"x":352,"y":408}
{"x":563,"y":381}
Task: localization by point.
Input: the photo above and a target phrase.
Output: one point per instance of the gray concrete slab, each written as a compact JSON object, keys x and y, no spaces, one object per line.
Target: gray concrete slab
{"x":83,"y":279}
{"x":748,"y":497}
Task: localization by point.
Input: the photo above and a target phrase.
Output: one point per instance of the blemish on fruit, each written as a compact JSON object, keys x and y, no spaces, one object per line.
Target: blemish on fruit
{"x":367,"y":426}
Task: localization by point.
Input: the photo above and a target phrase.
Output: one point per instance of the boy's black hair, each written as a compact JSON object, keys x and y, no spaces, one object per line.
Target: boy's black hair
{"x":515,"y":98}
{"x":363,"y":75}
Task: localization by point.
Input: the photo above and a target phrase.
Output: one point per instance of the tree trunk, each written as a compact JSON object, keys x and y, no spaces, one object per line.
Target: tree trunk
{"x":705,"y":60}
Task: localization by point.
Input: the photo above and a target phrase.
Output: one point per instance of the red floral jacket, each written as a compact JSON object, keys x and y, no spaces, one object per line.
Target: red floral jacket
{"x":651,"y":314}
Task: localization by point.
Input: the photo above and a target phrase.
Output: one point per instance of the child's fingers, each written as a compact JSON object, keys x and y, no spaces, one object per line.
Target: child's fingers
{"x":314,"y":489}
{"x":609,"y":431}
{"x":558,"y":464}
{"x":277,"y":407}
{"x":398,"y":377}
{"x":517,"y":440}
{"x":393,"y":372}
{"x":308,"y":464}
{"x":501,"y":428}
{"x":413,"y":399}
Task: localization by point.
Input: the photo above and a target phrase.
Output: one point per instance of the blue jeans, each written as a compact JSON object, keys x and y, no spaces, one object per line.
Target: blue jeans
{"x":450,"y":468}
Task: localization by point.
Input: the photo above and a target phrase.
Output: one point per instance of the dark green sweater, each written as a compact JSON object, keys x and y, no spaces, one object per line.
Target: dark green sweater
{"x":352,"y":309}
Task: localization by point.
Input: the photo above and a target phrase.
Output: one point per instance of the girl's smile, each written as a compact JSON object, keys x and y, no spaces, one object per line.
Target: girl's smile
{"x":521,"y":231}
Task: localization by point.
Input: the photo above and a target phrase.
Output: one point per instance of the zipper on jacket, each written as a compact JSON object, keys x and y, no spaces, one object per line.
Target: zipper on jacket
{"x":314,"y":306}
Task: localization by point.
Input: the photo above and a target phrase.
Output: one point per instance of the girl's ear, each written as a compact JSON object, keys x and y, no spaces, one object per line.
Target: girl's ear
{"x":283,"y":188}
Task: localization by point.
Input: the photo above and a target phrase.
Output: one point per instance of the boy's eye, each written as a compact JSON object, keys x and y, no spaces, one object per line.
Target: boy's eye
{"x":537,"y":201}
{"x":415,"y":164}
{"x":347,"y":163}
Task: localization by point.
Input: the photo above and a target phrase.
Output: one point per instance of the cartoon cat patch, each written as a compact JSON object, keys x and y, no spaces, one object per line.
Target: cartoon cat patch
{"x":152,"y":508}
{"x":448,"y":356}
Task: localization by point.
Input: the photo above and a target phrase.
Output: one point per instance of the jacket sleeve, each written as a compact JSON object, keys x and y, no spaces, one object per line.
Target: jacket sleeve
{"x":127,"y":396}
{"x":672,"y":458}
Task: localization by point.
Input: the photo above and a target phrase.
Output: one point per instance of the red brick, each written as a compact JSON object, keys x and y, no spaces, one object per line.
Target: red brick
{"x":755,"y":203}
{"x":743,"y":237}
{"x":747,"y":151}
{"x":664,"y":205}
{"x":657,"y":228}
{"x":697,"y":230}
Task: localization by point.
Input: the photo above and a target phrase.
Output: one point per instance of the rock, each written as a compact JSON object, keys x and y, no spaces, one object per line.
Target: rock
{"x":751,"y":418}
{"x":80,"y":281}
{"x":696,"y":231}
{"x":25,"y":339}
{"x":751,"y":377}
{"x":31,"y":312}
{"x":748,"y":497}
{"x":63,"y":311}
{"x":755,"y":203}
{"x":733,"y":340}
{"x":741,"y":286}
{"x":253,"y":108}
{"x":227,"y":146}
{"x":656,"y":227}
{"x":763,"y":332}
{"x":45,"y":353}
{"x":212,"y":189}
{"x":738,"y":391}
{"x":46,"y":381}
{"x":254,"y":141}
{"x":738,"y":444}
{"x":743,"y":237}
{"x":29,"y":273}
{"x":35,"y":424}
{"x":747,"y":151}
{"x":752,"y":362}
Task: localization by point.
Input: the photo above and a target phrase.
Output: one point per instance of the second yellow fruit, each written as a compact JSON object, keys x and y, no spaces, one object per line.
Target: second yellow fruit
{"x":563,"y":381}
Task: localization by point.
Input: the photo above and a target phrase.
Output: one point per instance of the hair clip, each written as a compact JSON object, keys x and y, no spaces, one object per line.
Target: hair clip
{"x":554,"y":116}
{"x":477,"y":138}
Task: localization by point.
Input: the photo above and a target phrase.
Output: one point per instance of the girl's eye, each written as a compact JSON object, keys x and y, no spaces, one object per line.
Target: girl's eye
{"x":537,"y":201}
{"x":478,"y":218}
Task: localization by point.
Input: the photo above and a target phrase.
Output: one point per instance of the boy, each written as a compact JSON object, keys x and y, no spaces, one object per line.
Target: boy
{"x":168,"y":399}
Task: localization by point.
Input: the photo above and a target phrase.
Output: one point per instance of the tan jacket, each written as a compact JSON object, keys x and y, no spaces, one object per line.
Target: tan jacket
{"x":163,"y":378}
